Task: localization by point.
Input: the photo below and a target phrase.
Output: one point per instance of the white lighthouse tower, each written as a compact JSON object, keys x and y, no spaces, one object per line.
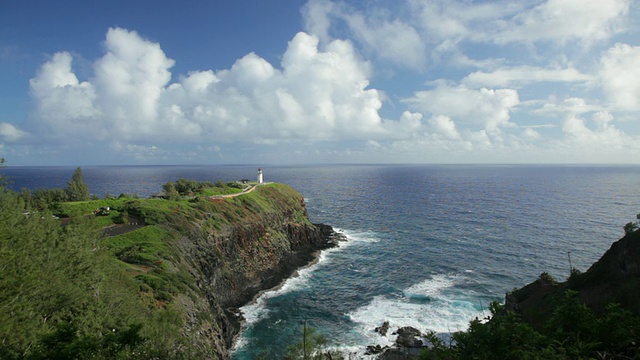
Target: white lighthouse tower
{"x":260,"y":180}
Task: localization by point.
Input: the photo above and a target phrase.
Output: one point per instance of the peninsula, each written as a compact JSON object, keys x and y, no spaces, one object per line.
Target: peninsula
{"x":161,"y":277}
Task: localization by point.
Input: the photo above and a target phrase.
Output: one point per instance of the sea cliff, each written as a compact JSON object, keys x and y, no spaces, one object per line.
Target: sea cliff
{"x":239,"y":248}
{"x":234,"y":262}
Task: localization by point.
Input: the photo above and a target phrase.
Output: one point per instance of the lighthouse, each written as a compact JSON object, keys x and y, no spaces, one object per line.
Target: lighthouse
{"x":260,"y":180}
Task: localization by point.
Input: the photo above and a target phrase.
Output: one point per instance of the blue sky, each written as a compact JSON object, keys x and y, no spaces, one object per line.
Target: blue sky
{"x":319,"y":81}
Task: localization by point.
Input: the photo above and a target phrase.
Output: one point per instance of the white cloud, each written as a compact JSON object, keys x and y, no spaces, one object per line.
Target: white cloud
{"x":523,"y":75}
{"x":394,"y":41}
{"x":318,"y":95}
{"x":390,"y":39}
{"x":408,"y":34}
{"x":573,"y":105}
{"x":443,"y":125}
{"x":595,"y":139}
{"x":620,"y":76}
{"x":63,"y":103}
{"x":444,"y":20}
{"x":9,"y":132}
{"x":485,"y":107}
{"x":564,"y":20}
{"x":317,"y":17}
{"x":129,"y":79}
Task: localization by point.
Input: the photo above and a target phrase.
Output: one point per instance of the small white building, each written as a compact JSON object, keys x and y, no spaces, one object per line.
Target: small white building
{"x":260,"y":179}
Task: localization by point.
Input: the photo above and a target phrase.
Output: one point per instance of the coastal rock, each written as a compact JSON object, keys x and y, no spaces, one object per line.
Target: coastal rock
{"x":382,"y":330}
{"x":375,"y":349}
{"x":408,"y":337}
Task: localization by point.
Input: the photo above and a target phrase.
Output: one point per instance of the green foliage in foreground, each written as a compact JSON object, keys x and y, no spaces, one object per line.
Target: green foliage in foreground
{"x":572,"y":332}
{"x":63,"y":294}
{"x":67,"y":293}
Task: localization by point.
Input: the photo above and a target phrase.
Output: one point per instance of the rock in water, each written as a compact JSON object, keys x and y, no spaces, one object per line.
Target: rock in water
{"x":382,"y":330}
{"x":408,"y":337}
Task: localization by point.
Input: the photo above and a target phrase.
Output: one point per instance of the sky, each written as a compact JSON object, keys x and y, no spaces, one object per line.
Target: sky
{"x":320,"y":81}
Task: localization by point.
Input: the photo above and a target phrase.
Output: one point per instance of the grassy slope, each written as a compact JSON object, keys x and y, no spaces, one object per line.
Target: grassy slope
{"x":143,"y":266}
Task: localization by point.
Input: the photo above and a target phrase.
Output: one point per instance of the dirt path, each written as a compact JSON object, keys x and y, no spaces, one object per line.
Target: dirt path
{"x":245,"y":191}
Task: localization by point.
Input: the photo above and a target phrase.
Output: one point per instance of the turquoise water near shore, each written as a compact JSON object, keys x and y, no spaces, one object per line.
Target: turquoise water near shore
{"x":429,"y":246}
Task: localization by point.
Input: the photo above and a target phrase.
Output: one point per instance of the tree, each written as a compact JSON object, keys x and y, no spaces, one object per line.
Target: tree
{"x":3,"y":180}
{"x":170,"y":191}
{"x":630,"y":227}
{"x":312,"y":347}
{"x":77,"y":189}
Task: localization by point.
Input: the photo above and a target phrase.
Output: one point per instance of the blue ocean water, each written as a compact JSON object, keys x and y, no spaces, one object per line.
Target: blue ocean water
{"x":429,"y":246}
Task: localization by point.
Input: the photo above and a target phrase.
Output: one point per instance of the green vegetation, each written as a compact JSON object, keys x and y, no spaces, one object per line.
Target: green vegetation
{"x":43,"y":199}
{"x":632,"y":226}
{"x":77,"y":190}
{"x":572,"y":332}
{"x":109,"y":280}
{"x":312,"y":346}
{"x":63,"y":294}
{"x":185,"y":187}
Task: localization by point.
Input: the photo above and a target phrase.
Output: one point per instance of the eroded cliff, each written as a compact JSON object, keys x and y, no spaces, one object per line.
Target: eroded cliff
{"x":235,"y":248}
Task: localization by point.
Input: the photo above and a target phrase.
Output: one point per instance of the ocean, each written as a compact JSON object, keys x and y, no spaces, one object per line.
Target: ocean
{"x":429,"y":246}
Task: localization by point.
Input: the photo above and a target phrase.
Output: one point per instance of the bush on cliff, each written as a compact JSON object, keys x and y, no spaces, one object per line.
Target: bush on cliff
{"x":573,"y":332}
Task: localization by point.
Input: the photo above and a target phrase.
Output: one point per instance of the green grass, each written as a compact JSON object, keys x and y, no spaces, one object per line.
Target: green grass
{"x":145,"y":246}
{"x":219,"y":191}
{"x":75,"y":208}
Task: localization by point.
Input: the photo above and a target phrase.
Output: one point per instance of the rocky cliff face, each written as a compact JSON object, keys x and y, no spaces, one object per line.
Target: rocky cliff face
{"x":615,"y":278}
{"x":233,"y":262}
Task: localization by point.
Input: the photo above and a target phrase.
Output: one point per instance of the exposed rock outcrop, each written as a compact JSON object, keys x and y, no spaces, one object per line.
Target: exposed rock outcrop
{"x":408,"y":337}
{"x":382,"y":330}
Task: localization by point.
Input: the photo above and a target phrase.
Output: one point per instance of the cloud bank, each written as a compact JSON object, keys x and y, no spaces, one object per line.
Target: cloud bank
{"x":318,"y":104}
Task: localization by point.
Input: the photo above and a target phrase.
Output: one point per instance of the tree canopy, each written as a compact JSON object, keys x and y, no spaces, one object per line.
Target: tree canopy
{"x":77,"y":189}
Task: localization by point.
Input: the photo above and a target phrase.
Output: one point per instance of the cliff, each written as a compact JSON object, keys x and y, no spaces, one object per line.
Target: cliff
{"x":235,"y":248}
{"x":614,"y":278}
{"x":259,"y":248}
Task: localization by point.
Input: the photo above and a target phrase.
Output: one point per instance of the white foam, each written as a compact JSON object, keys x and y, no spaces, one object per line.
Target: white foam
{"x":257,"y":310}
{"x":438,"y":309}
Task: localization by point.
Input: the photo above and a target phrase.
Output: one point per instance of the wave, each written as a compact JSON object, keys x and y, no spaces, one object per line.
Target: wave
{"x":434,"y":304}
{"x":300,"y":279}
{"x":258,"y":309}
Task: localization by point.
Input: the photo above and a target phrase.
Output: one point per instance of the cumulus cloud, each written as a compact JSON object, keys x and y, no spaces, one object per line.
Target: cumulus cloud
{"x":443,"y":125}
{"x":63,"y":103}
{"x":9,"y":132}
{"x":620,"y":76}
{"x":316,"y":95}
{"x":320,"y":93}
{"x":317,"y":17}
{"x":488,"y":108}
